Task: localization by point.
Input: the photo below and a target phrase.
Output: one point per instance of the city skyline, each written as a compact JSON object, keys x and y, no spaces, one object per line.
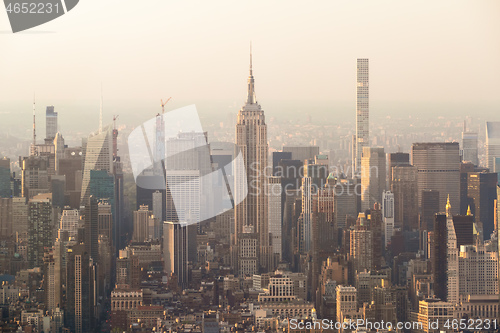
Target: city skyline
{"x":419,"y":63}
{"x":361,"y":187}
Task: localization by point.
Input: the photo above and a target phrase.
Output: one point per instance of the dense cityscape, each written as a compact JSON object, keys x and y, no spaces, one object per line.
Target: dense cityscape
{"x":310,"y":232}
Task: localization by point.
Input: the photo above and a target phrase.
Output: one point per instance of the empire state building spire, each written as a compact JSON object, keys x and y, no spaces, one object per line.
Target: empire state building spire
{"x":251,"y":99}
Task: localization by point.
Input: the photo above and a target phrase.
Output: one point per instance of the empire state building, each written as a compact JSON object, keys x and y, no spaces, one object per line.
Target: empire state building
{"x":251,"y":241}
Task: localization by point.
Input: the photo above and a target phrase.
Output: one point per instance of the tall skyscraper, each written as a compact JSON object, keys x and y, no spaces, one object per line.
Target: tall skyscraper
{"x":388,"y":215}
{"x":79,"y":310}
{"x":5,"y":217}
{"x":306,"y":226}
{"x":452,"y":257}
{"x":394,"y":159}
{"x":274,"y":193}
{"x":40,"y":231}
{"x":251,"y":139}
{"x":141,"y":218}
{"x":361,"y":245}
{"x":91,"y":219}
{"x":481,"y":195}
{"x":50,"y":123}
{"x":439,"y":256}
{"x":175,"y":251}
{"x":5,"y":191}
{"x":362,"y":111}
{"x":438,"y":166}
{"x":345,"y":201}
{"x":372,"y":177}
{"x":34,"y":176}
{"x":469,"y":146}
{"x":430,"y":207}
{"x":98,"y":155}
{"x":405,"y":188}
{"x":492,"y":143}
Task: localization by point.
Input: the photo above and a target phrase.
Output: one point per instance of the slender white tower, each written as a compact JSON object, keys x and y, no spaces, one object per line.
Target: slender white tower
{"x":362,"y":111}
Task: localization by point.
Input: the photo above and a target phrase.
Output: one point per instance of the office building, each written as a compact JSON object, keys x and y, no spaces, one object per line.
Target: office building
{"x":41,"y":231}
{"x":141,"y":229}
{"x":394,"y":159}
{"x":175,"y":251}
{"x":301,"y":153}
{"x":362,"y":112}
{"x":251,"y":139}
{"x":388,"y":216}
{"x":469,"y":147}
{"x":372,"y":177}
{"x":452,"y":258}
{"x":91,"y":224}
{"x":70,"y":222}
{"x":405,"y":189}
{"x":430,"y":207}
{"x":346,"y":195}
{"x":50,"y":123}
{"x":464,"y":229}
{"x":481,"y":195}
{"x":439,"y":256}
{"x":97,"y":155}
{"x":105,"y":220}
{"x":274,"y":198}
{"x":492,"y":143}
{"x":478,"y":271}
{"x":277,"y":157}
{"x":361,"y":245}
{"x":5,"y":190}
{"x":35,"y":176}
{"x":438,"y":167}
{"x":79,"y":308}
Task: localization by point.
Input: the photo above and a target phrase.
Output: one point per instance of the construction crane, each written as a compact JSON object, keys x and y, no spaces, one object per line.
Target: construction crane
{"x":163,"y":104}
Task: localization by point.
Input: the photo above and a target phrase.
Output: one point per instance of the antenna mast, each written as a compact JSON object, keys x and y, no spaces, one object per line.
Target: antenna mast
{"x":34,"y":124}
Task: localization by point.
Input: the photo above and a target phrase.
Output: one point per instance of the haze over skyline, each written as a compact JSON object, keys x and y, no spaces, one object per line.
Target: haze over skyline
{"x":425,"y":57}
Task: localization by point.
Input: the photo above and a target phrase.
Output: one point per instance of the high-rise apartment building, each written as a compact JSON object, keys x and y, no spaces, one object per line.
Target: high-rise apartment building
{"x":372,"y":176}
{"x":492,"y":143}
{"x":362,"y":112}
{"x":251,"y":139}
{"x":50,"y":123}
{"x":438,"y":167}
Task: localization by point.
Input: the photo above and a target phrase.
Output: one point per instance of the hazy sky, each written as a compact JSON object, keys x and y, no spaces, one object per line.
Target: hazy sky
{"x":441,"y":52}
